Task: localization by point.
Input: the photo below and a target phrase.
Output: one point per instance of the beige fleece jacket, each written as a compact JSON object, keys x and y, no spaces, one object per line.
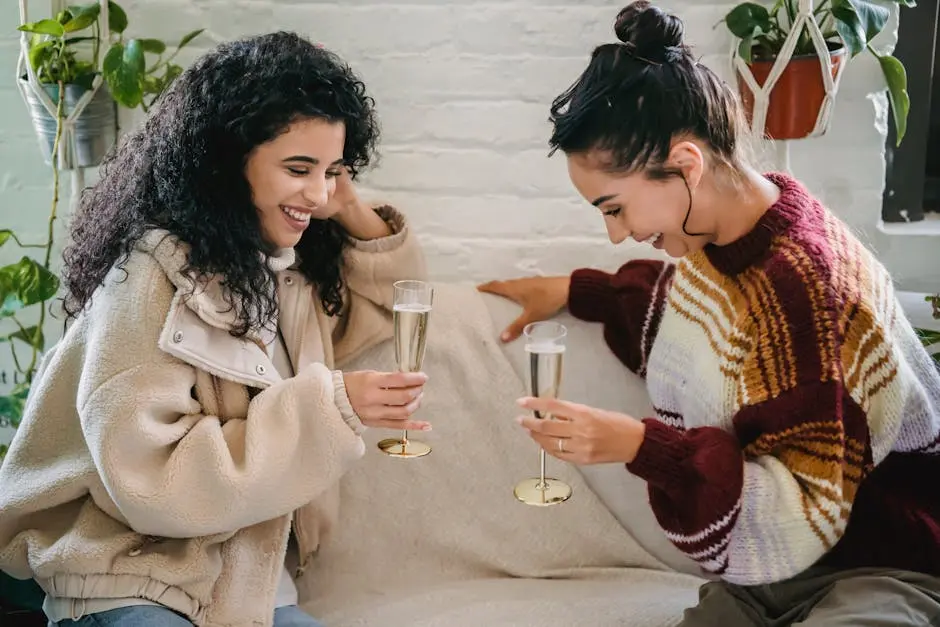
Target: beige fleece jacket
{"x":161,"y":458}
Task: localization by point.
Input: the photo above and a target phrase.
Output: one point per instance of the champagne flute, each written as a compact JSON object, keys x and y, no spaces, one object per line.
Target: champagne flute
{"x":545,"y":344}
{"x":411,"y":310}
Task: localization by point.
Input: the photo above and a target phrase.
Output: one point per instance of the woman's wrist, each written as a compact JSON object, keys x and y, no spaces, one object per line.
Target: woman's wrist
{"x":636,"y":430}
{"x":362,"y":222}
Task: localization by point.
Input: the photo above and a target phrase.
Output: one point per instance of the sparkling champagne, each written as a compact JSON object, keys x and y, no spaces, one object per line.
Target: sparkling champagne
{"x":411,"y":326}
{"x":545,"y":344}
{"x":545,"y":364}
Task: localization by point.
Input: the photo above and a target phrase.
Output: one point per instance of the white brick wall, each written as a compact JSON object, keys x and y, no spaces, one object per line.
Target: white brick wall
{"x":463,"y":90}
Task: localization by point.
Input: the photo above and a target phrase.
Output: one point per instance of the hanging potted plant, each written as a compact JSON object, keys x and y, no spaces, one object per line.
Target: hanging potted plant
{"x":798,"y":97}
{"x":70,"y":51}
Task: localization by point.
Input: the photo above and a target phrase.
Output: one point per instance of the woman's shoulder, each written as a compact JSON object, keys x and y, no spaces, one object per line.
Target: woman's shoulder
{"x":138,"y":286}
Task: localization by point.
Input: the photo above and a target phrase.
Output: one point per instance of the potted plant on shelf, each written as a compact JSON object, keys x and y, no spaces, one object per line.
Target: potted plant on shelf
{"x":847,"y":28}
{"x":68,"y":52}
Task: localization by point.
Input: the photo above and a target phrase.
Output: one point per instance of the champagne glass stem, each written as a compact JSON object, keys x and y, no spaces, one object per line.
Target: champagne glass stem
{"x":541,"y":469}
{"x":404,"y":438}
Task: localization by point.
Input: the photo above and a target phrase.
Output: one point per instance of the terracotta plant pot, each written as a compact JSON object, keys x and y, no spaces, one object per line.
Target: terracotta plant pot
{"x":795,"y":99}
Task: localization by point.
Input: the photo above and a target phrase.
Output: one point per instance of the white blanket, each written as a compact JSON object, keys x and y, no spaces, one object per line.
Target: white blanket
{"x":441,"y":540}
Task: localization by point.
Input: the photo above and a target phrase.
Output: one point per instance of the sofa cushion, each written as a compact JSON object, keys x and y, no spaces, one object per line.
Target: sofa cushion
{"x":440,"y":540}
{"x":594,"y":376}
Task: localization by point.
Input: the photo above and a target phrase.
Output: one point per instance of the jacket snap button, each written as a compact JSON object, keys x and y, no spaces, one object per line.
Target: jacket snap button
{"x":289,"y":280}
{"x":178,"y":337}
{"x":134,"y":552}
{"x":261,"y":369}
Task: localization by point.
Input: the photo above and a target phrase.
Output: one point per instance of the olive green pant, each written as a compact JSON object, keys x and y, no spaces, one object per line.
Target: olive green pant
{"x":869,"y":597}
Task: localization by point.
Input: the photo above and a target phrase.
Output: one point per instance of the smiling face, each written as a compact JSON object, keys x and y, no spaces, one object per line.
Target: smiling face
{"x":293,"y":177}
{"x":646,"y":210}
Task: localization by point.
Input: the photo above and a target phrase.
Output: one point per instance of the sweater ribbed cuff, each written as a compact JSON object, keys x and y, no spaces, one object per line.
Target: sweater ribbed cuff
{"x":341,"y":399}
{"x":659,"y":461}
{"x":396,"y":222}
{"x":588,"y":294}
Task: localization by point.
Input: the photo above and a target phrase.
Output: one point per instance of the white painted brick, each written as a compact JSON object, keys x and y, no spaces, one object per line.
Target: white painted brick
{"x":469,"y":77}
{"x":561,"y":30}
{"x":470,"y":171}
{"x":379,"y":30}
{"x":481,"y":216}
{"x":497,"y":125}
{"x":463,"y":91}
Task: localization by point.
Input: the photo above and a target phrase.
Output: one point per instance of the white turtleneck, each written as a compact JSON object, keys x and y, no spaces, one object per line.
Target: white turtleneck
{"x":280,"y":261}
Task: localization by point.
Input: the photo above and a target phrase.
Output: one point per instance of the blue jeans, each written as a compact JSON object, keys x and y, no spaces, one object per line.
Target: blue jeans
{"x":154,"y":616}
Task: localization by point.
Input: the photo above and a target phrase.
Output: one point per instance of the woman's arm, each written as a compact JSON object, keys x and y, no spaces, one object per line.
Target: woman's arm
{"x":170,"y":468}
{"x":383,"y":251}
{"x":629,"y":303}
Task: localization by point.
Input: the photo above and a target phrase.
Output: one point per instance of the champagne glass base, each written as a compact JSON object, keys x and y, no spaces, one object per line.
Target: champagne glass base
{"x":532,"y":492}
{"x":396,"y":447}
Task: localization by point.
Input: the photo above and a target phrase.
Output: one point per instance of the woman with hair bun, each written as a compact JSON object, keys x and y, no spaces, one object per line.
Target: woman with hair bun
{"x":795,"y":449}
{"x":183,"y":441}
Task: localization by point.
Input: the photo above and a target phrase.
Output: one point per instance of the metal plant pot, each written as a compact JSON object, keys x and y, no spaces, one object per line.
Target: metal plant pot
{"x":95,"y":129}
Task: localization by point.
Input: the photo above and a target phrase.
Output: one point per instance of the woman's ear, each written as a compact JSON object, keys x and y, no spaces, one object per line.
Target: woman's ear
{"x":687,"y":157}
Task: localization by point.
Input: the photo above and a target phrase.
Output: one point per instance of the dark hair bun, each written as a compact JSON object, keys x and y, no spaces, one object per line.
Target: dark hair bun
{"x":651,"y":31}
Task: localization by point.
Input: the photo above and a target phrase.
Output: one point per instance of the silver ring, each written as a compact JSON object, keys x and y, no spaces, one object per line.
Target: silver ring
{"x":561,"y":446}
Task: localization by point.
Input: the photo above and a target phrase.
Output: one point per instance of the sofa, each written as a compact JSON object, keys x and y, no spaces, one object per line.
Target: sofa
{"x":441,"y":540}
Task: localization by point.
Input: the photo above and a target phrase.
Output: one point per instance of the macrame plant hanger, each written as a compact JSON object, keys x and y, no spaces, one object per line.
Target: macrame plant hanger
{"x":68,"y":124}
{"x":804,"y":18}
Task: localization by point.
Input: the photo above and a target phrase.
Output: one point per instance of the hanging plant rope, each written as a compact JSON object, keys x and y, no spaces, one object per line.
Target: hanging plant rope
{"x":804,"y":18}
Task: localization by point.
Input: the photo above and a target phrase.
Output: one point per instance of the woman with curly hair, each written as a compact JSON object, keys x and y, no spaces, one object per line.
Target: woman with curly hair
{"x":183,"y":441}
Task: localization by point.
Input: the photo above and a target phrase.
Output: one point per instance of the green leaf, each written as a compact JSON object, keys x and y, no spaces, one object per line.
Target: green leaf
{"x":3,"y":450}
{"x":896,"y":80}
{"x":83,"y":17}
{"x":153,"y":45}
{"x":172,"y":73}
{"x":5,"y":234}
{"x":153,"y":85}
{"x":928,"y":336}
{"x":39,"y":52}
{"x":745,"y":48}
{"x":124,"y":68}
{"x":33,"y":336}
{"x":188,"y":37}
{"x":30,"y":282}
{"x":10,"y":305}
{"x":75,"y":40}
{"x":13,"y":404}
{"x":9,"y":300}
{"x":849,"y":25}
{"x":743,"y":19}
{"x":117,"y":18}
{"x":873,"y":17}
{"x":44,"y":27}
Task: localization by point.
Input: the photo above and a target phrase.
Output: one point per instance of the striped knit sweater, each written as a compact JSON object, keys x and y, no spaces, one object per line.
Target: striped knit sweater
{"x":798,"y":417}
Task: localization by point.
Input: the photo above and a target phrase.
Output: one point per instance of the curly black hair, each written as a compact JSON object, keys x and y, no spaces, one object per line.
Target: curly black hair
{"x":183,"y":170}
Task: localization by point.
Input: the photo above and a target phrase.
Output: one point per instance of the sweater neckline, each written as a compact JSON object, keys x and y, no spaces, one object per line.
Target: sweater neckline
{"x":737,"y":256}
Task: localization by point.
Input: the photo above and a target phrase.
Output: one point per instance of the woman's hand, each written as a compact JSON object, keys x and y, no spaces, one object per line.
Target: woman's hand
{"x":358,"y":218}
{"x":386,"y":400}
{"x":581,"y":434}
{"x":540,"y":298}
